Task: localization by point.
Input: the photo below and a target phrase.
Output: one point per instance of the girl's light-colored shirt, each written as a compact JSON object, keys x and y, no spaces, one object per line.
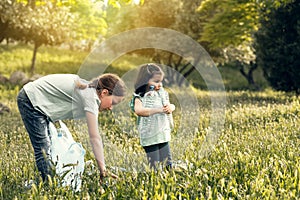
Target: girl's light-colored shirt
{"x":154,"y":129}
{"x":57,"y":97}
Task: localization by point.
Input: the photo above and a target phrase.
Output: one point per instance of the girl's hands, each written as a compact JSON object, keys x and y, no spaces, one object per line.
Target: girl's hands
{"x":168,"y":109}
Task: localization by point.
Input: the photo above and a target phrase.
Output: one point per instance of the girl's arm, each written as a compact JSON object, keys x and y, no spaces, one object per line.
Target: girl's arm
{"x":96,"y":141}
{"x":140,"y":110}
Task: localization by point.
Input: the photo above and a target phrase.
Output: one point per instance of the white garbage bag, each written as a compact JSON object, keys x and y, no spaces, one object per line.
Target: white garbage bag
{"x":67,"y":155}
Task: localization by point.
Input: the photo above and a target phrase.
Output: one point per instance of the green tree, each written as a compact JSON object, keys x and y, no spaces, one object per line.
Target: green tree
{"x":178,"y":15}
{"x":39,"y":23}
{"x":90,"y":24}
{"x":278,"y":47}
{"x":230,"y":26}
{"x":231,"y":22}
{"x":150,"y":13}
{"x":10,"y":12}
{"x":53,"y":22}
{"x":168,"y":14}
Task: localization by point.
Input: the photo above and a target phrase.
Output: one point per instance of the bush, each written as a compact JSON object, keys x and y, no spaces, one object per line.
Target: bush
{"x":278,"y":47}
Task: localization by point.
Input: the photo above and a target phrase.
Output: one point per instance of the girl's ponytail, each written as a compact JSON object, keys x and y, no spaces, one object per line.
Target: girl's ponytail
{"x":108,"y":81}
{"x":80,"y":85}
{"x":94,"y":83}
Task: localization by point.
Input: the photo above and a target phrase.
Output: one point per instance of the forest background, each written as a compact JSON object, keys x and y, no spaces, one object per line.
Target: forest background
{"x":254,"y":45}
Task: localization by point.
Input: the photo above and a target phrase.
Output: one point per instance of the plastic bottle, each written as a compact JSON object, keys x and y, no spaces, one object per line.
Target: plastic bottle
{"x":165,"y":101}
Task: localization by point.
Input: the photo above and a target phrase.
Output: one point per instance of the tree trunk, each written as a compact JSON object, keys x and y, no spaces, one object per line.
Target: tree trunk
{"x":32,"y":68}
{"x":249,"y":75}
{"x":177,"y":70}
{"x":3,"y":32}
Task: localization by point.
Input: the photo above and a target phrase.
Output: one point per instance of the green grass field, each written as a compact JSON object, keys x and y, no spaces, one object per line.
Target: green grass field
{"x":256,"y":155}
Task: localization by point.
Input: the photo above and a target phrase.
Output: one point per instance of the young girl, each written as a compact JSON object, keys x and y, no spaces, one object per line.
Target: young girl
{"x":66,"y":96}
{"x":151,"y":103}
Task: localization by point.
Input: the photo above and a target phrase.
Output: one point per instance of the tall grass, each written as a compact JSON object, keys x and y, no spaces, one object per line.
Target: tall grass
{"x":255,"y":157}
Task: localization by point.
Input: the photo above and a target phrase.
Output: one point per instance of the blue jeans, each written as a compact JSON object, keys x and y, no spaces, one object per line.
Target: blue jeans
{"x":159,"y":153}
{"x":36,"y":124}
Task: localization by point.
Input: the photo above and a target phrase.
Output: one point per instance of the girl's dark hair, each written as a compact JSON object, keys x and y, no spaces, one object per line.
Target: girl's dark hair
{"x":147,"y":71}
{"x":112,"y":82}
